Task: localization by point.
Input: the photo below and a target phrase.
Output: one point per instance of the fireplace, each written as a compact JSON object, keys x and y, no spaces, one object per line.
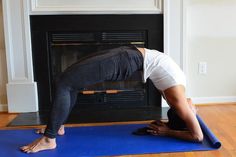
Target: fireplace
{"x":22,"y":89}
{"x":60,"y":40}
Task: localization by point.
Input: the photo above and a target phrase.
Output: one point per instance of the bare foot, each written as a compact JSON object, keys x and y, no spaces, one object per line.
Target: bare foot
{"x":43,"y":143}
{"x":60,"y":132}
{"x":189,"y":100}
{"x":192,"y":106}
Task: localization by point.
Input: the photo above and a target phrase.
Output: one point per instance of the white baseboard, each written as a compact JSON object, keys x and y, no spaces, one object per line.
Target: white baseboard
{"x":3,"y":108}
{"x":208,"y":100}
{"x":196,"y":100}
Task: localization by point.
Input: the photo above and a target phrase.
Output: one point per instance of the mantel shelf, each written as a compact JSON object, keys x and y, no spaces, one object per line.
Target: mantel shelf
{"x":95,"y":7}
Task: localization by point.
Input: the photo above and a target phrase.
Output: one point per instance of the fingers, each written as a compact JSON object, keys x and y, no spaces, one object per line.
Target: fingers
{"x":154,"y":129}
{"x":153,"y":126}
{"x":153,"y":132}
{"x":158,"y":122}
{"x":158,"y":128}
{"x":157,"y":132}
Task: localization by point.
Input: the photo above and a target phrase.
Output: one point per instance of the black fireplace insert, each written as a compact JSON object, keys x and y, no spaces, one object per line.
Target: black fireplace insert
{"x":58,"y":41}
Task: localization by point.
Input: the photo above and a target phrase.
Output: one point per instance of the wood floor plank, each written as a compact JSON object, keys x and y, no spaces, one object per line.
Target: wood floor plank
{"x":189,"y":154}
{"x":232,"y":153}
{"x":5,"y":118}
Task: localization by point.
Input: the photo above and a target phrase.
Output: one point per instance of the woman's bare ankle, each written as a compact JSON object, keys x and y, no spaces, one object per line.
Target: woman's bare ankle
{"x":60,"y":132}
{"x":49,"y":140}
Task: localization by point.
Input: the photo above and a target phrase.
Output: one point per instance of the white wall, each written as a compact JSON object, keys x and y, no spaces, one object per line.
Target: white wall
{"x":3,"y":69}
{"x":211,"y":37}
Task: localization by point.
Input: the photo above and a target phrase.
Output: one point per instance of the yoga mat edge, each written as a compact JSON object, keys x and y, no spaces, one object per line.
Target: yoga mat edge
{"x":209,"y":134}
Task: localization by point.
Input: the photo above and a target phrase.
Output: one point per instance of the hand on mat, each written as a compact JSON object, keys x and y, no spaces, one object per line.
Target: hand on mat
{"x":158,"y":128}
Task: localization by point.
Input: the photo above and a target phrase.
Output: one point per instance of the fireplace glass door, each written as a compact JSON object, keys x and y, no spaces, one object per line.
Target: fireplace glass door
{"x":66,"y":48}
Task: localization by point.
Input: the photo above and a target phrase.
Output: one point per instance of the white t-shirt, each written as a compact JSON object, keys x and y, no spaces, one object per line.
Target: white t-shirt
{"x":162,"y":70}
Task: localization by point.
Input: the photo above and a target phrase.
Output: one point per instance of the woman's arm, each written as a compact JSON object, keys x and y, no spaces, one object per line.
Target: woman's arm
{"x":175,"y":97}
{"x":164,"y":130}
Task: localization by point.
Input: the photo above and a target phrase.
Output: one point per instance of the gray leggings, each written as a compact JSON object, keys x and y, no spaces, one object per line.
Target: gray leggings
{"x":111,"y":65}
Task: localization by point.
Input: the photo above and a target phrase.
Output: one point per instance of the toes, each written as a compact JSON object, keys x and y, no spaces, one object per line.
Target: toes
{"x":26,"y":149}
{"x":29,"y":149}
{"x":40,"y":131}
{"x":39,"y":145}
{"x":37,"y":132}
{"x":23,"y":148}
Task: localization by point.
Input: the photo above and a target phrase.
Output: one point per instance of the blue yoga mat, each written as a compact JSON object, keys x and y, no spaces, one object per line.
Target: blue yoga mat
{"x":103,"y":141}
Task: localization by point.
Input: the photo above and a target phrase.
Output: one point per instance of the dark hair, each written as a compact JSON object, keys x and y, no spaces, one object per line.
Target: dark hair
{"x":175,"y":122}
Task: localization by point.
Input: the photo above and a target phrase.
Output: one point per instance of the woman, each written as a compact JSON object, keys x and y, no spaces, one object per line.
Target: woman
{"x":115,"y":65}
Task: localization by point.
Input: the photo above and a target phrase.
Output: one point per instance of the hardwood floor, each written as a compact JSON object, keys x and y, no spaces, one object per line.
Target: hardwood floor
{"x":221,"y":118}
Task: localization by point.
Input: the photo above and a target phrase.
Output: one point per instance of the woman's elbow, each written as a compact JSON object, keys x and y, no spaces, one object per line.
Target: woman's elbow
{"x":198,"y":138}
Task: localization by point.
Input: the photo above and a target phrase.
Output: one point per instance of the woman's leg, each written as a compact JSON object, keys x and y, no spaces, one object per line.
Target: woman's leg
{"x":75,"y":77}
{"x":64,"y":101}
{"x":110,"y":66}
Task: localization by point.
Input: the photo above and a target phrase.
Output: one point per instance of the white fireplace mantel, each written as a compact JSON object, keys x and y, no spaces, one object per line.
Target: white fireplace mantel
{"x":21,"y":87}
{"x":94,"y":6}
